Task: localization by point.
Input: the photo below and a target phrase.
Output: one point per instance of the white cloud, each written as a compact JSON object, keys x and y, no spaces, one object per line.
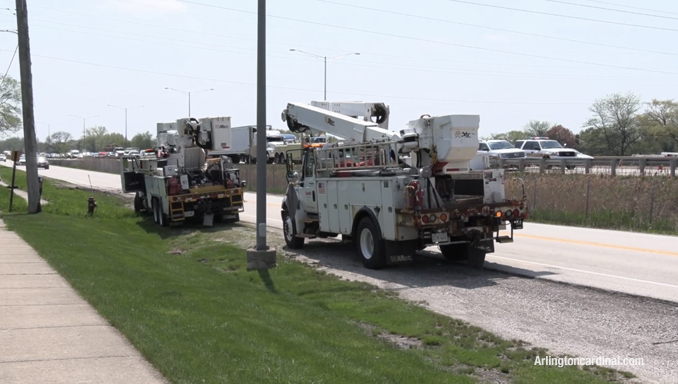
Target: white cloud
{"x":148,"y":6}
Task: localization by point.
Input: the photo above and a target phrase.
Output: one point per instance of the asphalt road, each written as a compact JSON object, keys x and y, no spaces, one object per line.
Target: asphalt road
{"x":634,"y":263}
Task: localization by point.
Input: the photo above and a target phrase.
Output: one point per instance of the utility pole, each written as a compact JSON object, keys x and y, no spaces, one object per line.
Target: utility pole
{"x":261,"y":257}
{"x":30,"y":143}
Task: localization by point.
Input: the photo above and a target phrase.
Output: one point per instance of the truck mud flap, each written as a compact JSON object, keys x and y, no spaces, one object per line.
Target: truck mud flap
{"x":484,"y":245}
{"x":399,"y":251}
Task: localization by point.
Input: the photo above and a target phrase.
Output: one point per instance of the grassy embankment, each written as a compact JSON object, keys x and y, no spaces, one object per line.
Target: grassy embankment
{"x":185,"y":300}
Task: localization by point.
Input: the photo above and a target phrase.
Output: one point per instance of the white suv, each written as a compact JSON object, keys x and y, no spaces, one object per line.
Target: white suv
{"x":544,"y":147}
{"x":500,"y":149}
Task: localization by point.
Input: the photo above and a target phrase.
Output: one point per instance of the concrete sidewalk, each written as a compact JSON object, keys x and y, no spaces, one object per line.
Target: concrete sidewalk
{"x":49,"y":334}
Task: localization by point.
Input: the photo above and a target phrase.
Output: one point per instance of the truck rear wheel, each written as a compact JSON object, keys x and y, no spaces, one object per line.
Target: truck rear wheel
{"x":455,"y":252}
{"x":138,"y":202}
{"x":290,"y":232}
{"x":370,"y":245}
{"x":154,"y":208}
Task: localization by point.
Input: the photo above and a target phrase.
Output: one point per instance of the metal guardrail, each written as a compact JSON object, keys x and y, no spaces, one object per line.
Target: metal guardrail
{"x":611,"y":165}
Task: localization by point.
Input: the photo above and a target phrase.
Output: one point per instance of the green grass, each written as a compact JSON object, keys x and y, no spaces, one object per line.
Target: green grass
{"x":186,"y":301}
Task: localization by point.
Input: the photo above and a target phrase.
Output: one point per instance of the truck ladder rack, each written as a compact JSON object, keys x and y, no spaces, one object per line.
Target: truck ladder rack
{"x":362,"y":156}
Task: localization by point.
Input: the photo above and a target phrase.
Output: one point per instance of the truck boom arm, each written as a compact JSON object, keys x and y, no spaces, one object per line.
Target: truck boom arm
{"x":308,"y":118}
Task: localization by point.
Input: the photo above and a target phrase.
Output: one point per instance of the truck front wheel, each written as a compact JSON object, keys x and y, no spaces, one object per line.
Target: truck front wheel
{"x":370,"y":245}
{"x":290,"y":232}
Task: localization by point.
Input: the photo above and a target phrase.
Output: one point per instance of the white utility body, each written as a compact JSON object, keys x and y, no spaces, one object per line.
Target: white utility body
{"x":184,"y":176}
{"x":393,"y":194}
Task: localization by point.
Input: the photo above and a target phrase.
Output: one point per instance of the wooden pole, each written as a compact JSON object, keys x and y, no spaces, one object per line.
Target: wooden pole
{"x":30,"y":142}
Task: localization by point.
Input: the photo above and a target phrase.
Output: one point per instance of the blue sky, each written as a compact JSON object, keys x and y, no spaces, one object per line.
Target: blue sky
{"x":430,"y":56}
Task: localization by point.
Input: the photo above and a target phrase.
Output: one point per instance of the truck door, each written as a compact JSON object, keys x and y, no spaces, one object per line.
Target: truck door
{"x":308,"y":198}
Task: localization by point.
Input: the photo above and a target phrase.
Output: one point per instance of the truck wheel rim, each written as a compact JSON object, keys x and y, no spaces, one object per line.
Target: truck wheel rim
{"x":366,"y":243}
{"x":288,"y":228}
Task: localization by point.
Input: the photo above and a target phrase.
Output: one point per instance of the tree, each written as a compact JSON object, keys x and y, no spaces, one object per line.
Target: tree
{"x":536,"y":128}
{"x":10,"y":105}
{"x":661,"y":120}
{"x":562,"y":135}
{"x":60,"y":140}
{"x":143,"y":140}
{"x":12,"y":144}
{"x":615,"y":117}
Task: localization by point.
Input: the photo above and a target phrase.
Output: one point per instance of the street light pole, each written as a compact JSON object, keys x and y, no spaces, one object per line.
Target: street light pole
{"x":189,"y":95}
{"x":325,"y":60}
{"x":125,"y":108}
{"x":83,"y":123}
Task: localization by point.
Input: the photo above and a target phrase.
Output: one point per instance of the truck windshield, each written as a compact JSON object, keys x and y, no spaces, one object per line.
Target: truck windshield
{"x":276,"y":139}
{"x":550,"y":144}
{"x":500,"y":145}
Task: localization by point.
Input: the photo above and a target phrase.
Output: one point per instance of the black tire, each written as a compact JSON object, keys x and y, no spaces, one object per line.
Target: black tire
{"x":370,"y":245}
{"x":455,"y":252}
{"x":570,"y":166}
{"x":46,"y":167}
{"x":138,"y":202}
{"x":163,"y":220}
{"x":290,"y":232}
{"x":154,"y":208}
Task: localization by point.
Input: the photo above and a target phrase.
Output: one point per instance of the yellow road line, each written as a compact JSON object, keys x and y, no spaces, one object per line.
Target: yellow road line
{"x":602,"y":245}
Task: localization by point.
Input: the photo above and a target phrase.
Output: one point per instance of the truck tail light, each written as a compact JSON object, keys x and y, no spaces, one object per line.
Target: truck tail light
{"x":516,"y":212}
{"x":432,"y":218}
{"x":424,"y":219}
{"x":443,"y":217}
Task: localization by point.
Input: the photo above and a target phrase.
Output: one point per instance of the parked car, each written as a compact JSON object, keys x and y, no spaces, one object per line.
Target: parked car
{"x":500,"y":149}
{"x":42,"y":162}
{"x":3,"y":157}
{"x":22,"y":160}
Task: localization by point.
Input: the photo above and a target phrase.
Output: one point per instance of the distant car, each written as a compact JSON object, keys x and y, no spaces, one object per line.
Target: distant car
{"x":22,"y":160}
{"x":42,"y":162}
{"x":500,"y":149}
{"x":3,"y":157}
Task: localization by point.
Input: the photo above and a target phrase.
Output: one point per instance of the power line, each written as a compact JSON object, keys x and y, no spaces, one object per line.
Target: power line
{"x":566,"y":16}
{"x":631,"y":7}
{"x":10,"y":64}
{"x":611,"y":9}
{"x":362,"y":62}
{"x":499,"y":29}
{"x":437,"y":42}
{"x":296,"y":88}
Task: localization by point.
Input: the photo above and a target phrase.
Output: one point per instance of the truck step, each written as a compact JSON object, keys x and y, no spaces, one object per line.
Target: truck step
{"x":504,"y":239}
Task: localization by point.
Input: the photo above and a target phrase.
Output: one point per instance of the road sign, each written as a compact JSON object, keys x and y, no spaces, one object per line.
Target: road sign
{"x":15,"y":156}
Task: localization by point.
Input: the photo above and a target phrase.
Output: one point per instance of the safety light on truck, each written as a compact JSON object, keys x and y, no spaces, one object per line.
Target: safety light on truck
{"x":424,"y":219}
{"x":432,"y":218}
{"x":443,"y":217}
{"x":508,"y":213}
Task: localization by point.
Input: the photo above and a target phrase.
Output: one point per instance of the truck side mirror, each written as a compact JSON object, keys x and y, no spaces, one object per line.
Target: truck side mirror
{"x":292,"y":176}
